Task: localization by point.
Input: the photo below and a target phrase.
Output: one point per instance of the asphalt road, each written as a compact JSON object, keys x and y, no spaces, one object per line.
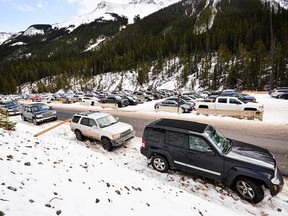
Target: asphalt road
{"x":274,"y":138}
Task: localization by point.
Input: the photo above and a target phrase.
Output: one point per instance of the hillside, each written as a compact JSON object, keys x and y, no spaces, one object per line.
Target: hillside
{"x":212,"y":44}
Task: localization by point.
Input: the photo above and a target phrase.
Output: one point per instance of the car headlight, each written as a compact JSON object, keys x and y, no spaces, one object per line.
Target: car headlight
{"x":116,"y":136}
{"x":39,"y":116}
{"x":54,"y":112}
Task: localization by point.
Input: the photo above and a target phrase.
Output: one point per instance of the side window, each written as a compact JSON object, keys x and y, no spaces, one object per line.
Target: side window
{"x":84,"y":121}
{"x":91,"y":123}
{"x":198,"y":144}
{"x":222,"y":100}
{"x":175,"y":139}
{"x":233,"y":101}
{"x":75,"y":119}
{"x":154,"y":135}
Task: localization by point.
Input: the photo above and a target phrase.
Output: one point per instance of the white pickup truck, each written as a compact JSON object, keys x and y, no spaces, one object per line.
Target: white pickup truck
{"x":229,"y":103}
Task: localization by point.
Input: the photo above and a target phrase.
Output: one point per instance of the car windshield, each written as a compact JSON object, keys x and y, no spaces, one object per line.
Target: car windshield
{"x":106,"y":121}
{"x":220,"y":141}
{"x":40,"y":107}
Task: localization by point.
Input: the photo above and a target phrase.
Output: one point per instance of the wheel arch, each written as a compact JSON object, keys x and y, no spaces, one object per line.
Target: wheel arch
{"x":257,"y":176}
{"x":250,"y":109}
{"x":165,"y":155}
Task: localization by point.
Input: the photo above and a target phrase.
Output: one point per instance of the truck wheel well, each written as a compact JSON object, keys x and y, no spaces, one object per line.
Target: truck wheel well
{"x":250,"y":109}
{"x":203,"y":107}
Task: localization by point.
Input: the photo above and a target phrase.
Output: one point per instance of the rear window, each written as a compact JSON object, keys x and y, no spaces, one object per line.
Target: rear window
{"x":175,"y":139}
{"x":222,"y":100}
{"x":152,"y":134}
{"x":75,"y":119}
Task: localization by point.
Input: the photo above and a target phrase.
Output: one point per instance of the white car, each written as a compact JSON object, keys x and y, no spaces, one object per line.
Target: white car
{"x":103,"y":127}
{"x":278,"y":92}
{"x":90,"y":100}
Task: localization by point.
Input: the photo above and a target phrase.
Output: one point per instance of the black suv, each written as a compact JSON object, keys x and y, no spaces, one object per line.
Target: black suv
{"x":115,"y":99}
{"x":202,"y":150}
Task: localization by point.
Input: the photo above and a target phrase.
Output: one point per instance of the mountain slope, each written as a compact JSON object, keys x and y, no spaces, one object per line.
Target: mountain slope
{"x":221,"y":43}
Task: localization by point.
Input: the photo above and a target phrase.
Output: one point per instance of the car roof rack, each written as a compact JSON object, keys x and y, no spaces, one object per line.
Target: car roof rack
{"x":87,"y":113}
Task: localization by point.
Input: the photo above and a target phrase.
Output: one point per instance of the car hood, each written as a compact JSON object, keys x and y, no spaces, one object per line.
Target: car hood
{"x":117,"y":128}
{"x":43,"y":111}
{"x":251,"y":154}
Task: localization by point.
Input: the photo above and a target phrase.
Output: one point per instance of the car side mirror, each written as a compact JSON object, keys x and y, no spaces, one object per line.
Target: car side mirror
{"x":210,"y":152}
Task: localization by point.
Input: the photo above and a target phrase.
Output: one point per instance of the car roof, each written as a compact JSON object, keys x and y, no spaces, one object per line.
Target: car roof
{"x":181,"y":124}
{"x":35,"y":104}
{"x":93,"y":114}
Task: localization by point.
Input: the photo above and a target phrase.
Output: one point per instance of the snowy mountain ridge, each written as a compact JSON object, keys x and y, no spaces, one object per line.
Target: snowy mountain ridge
{"x":104,"y":10}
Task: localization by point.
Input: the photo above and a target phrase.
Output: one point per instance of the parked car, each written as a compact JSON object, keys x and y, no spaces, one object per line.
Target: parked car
{"x":131,"y":100}
{"x":90,"y":100}
{"x":11,"y":107}
{"x":276,"y":93}
{"x":229,"y":103}
{"x":38,"y":113}
{"x":143,"y":96}
{"x":185,"y":108}
{"x":103,"y":127}
{"x":284,"y":95}
{"x":202,"y":150}
{"x":114,"y":99}
{"x":182,"y":101}
{"x":36,"y":98}
{"x":243,"y":97}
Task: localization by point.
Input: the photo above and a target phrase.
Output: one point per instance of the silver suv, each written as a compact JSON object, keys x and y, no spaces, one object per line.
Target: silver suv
{"x":103,"y":127}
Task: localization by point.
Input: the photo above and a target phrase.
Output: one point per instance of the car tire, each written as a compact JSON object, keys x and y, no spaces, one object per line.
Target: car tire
{"x":107,"y":145}
{"x":23,"y":118}
{"x":34,"y":121}
{"x":160,"y":164}
{"x":249,"y":190}
{"x":79,"y":135}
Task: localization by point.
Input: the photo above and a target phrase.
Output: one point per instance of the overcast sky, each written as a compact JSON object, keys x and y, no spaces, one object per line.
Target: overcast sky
{"x":18,"y":15}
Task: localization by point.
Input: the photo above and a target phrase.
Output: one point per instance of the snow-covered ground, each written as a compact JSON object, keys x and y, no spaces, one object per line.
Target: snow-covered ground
{"x":54,"y":174}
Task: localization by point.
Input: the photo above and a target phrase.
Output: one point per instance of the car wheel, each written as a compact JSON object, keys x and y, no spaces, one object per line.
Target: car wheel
{"x":23,"y":118}
{"x":106,"y":143}
{"x":249,"y":190}
{"x":160,"y":164}
{"x":79,"y":135}
{"x":92,"y":103}
{"x":34,"y":121}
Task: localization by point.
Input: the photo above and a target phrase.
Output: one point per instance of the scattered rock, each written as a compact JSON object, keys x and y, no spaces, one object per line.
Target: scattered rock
{"x":58,"y":212}
{"x":107,"y":184}
{"x":48,"y":205}
{"x":12,"y":188}
{"x":69,"y":180}
{"x":31,"y":201}
{"x":147,"y":204}
{"x":279,"y":210}
{"x":27,"y":164}
{"x":118,"y":192}
{"x":9,"y":157}
{"x":2,"y":213}
{"x":97,"y":200}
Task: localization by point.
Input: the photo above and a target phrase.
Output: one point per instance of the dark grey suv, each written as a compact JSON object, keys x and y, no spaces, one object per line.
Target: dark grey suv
{"x":202,"y":150}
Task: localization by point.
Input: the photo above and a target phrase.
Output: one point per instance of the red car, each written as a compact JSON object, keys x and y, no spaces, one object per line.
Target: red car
{"x":37,"y":98}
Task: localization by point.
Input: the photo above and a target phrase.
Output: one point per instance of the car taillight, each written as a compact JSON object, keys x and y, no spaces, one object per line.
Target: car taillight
{"x":143,"y":143}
